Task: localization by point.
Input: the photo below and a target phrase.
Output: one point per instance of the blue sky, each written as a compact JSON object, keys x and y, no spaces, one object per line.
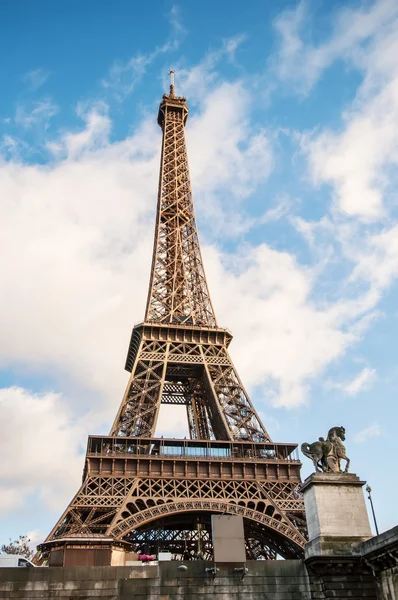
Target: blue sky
{"x":292,"y":138}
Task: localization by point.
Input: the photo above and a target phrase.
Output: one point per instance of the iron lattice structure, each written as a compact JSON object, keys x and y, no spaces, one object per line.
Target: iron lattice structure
{"x":159,"y":493}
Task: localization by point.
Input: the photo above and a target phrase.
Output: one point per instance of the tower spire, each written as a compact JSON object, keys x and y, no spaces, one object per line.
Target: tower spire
{"x":172,"y":91}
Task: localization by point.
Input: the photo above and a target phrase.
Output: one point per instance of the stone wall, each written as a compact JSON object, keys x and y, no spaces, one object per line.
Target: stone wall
{"x":274,"y":580}
{"x":340,"y":577}
{"x":371,"y":572}
{"x":73,"y":583}
{"x":387,"y":584}
{"x":380,"y":554}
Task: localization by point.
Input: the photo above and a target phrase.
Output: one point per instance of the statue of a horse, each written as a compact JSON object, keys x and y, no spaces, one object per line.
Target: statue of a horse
{"x":326,"y":455}
{"x":317,"y":453}
{"x":336,"y":436}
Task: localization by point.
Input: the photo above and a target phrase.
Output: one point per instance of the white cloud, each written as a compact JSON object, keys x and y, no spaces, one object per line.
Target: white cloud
{"x":11,"y":498}
{"x":355,"y":160}
{"x":231,"y":45}
{"x":172,"y":421}
{"x":177,"y":26}
{"x":30,"y":114}
{"x":377,"y":258}
{"x":279,"y":210}
{"x":288,"y":25}
{"x":36,"y":78}
{"x":235,"y":157}
{"x":282,"y":338}
{"x":300,"y":63}
{"x":196,"y":81}
{"x":93,"y":136}
{"x":36,"y":537}
{"x":41,"y":448}
{"x":372,"y":256}
{"x":12,"y":147}
{"x":228,"y":157}
{"x":72,"y":237}
{"x":362,"y":381}
{"x":124,"y":76}
{"x":374,"y":430}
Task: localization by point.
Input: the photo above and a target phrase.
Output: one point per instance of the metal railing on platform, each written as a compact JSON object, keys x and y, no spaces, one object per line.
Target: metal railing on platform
{"x":191,"y":449}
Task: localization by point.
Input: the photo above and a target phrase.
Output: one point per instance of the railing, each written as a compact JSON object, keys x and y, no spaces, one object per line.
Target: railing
{"x":190,"y":449}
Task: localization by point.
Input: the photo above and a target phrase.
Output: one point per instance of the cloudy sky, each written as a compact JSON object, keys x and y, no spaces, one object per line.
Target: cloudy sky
{"x":293,"y":146}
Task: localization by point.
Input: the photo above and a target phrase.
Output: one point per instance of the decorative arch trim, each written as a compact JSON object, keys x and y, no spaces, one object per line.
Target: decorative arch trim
{"x":121,"y":528}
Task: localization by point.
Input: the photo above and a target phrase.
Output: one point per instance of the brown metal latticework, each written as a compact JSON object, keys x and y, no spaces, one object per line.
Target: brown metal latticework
{"x":158,"y":493}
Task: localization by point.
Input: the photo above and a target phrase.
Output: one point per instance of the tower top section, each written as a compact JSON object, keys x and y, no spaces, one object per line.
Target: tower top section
{"x":175,"y":106}
{"x":178,"y":291}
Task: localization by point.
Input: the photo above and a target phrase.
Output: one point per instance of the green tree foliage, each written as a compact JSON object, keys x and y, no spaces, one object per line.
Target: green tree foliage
{"x":19,"y":546}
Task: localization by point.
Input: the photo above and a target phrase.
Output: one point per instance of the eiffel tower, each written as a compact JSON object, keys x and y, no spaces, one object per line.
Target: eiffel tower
{"x":141,"y":492}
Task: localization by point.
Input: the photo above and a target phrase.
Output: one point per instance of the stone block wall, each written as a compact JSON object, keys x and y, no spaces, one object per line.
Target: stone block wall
{"x":340,"y":577}
{"x":279,"y":580}
{"x":73,"y":583}
{"x":380,"y":554}
{"x":274,"y":580}
{"x":387,"y":584}
{"x":371,"y":573}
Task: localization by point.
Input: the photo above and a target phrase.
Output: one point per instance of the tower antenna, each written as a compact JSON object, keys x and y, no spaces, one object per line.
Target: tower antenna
{"x":172,"y":91}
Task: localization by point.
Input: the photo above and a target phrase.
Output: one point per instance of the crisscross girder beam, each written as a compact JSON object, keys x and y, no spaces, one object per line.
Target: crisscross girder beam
{"x":201,"y":376}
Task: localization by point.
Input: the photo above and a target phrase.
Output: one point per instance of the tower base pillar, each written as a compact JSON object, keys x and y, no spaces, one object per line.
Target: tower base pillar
{"x":86,"y":551}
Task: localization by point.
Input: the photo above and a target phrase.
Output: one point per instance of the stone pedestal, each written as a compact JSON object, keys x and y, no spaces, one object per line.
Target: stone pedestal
{"x":337,"y":518}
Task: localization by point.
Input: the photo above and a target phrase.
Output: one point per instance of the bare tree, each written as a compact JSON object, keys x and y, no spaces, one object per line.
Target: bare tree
{"x":19,"y":546}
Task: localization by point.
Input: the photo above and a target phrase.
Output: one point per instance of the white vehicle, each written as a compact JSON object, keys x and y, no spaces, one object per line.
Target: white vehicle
{"x":14,"y":560}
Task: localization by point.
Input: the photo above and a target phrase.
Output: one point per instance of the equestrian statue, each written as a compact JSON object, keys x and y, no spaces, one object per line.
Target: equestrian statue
{"x":327,"y":454}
